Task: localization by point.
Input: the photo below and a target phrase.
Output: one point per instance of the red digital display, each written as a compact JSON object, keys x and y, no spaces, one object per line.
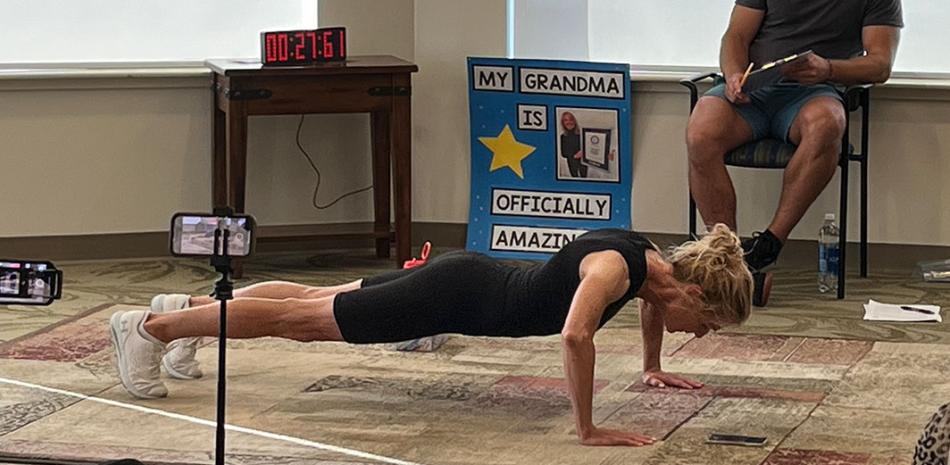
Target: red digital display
{"x":303,"y":47}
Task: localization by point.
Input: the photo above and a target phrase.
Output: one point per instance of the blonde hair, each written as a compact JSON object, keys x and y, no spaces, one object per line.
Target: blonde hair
{"x":577,"y":129}
{"x":715,"y":263}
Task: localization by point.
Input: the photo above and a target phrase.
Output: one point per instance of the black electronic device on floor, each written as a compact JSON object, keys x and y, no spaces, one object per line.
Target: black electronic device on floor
{"x":736,"y":440}
{"x":29,"y":282}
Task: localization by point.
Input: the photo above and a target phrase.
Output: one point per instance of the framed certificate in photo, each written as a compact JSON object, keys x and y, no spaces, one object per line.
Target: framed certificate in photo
{"x":596,"y":147}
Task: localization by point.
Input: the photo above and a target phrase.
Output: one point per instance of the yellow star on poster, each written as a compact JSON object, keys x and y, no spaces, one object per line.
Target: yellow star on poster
{"x":506,"y":151}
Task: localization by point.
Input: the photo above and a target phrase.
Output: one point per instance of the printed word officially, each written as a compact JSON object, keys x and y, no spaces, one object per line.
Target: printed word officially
{"x":576,"y":83}
{"x":528,"y":239}
{"x":550,"y":204}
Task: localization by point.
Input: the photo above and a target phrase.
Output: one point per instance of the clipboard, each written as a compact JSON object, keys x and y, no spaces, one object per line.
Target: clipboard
{"x":771,"y":73}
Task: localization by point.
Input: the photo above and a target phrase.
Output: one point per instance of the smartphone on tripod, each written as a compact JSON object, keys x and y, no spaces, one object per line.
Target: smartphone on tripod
{"x":201,"y":235}
{"x":222,"y":236}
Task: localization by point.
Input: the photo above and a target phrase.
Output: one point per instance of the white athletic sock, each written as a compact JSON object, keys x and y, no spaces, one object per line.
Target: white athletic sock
{"x":148,"y":337}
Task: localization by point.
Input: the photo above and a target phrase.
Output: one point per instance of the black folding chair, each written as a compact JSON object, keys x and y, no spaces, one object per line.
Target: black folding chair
{"x":775,"y":154}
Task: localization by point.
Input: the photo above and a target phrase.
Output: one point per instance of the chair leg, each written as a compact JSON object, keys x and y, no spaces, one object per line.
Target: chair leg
{"x":692,"y":218}
{"x":864,"y":217}
{"x":865,"y":150}
{"x":843,"y":230}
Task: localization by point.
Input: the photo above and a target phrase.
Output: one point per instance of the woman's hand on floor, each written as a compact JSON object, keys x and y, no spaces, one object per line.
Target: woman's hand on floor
{"x":662,"y":379}
{"x":608,"y":437}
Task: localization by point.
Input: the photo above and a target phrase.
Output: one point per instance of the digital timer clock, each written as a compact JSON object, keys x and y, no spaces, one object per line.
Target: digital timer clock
{"x":290,"y":48}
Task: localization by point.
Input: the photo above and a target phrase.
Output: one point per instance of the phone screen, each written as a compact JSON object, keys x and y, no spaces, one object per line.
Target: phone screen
{"x":736,"y":440}
{"x":9,"y":280}
{"x":26,"y":283}
{"x":195,"y":235}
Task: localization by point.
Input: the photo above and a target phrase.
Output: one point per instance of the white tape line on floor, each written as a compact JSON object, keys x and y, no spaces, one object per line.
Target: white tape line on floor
{"x":203,"y":422}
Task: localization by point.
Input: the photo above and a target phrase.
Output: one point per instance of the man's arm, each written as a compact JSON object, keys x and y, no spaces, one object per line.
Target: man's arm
{"x":603,"y":280}
{"x":734,"y":51}
{"x":744,"y":24}
{"x":874,"y":67}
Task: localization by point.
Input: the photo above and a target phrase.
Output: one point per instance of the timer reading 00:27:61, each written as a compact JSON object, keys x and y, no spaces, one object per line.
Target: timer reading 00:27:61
{"x":303,"y":47}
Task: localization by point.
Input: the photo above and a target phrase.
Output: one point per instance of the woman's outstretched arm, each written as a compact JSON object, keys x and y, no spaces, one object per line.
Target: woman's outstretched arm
{"x":659,"y":293}
{"x":651,"y":327}
{"x":603,"y":280}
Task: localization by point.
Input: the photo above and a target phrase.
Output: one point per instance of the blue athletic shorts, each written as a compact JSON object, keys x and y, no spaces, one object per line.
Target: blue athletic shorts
{"x":772,"y":110}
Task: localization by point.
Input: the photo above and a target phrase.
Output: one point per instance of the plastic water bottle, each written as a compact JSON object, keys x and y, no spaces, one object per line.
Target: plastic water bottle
{"x":828,"y":254}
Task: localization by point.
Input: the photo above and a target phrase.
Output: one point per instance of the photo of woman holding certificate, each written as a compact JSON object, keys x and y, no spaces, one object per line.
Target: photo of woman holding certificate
{"x":570,"y":147}
{"x":587,"y":145}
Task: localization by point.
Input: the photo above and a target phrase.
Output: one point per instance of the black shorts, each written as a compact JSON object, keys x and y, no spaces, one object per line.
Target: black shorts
{"x":458,"y":292}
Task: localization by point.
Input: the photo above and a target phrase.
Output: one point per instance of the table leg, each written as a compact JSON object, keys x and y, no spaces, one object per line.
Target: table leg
{"x":219,"y":160}
{"x":236,"y":142}
{"x":236,"y":146}
{"x":402,"y":172}
{"x":381,"y":181}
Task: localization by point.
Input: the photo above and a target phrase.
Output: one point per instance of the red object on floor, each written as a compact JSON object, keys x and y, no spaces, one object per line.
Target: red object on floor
{"x":414,"y":262}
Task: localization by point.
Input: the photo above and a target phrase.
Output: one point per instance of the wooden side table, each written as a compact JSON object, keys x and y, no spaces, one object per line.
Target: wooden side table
{"x":379,"y":85}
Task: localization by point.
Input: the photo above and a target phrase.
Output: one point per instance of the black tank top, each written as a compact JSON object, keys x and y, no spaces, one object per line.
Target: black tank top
{"x":539,"y":297}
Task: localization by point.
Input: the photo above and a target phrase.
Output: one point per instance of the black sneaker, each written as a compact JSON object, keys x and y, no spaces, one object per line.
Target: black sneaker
{"x":761,"y":250}
{"x":762,"y":287}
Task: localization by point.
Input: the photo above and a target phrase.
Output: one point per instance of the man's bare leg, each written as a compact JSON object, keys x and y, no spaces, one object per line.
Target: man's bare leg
{"x":817,"y":131}
{"x":714,"y":129}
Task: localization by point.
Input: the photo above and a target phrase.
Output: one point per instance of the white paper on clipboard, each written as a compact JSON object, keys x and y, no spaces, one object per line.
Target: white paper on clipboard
{"x":771,"y":73}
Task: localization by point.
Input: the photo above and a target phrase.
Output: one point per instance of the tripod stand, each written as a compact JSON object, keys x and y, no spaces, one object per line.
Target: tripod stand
{"x":223,"y":291}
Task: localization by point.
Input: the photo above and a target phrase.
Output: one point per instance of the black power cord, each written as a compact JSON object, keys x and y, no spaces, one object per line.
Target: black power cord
{"x":316,"y":171}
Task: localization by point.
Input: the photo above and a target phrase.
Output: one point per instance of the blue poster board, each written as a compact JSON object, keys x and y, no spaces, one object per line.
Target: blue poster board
{"x":551,"y":153}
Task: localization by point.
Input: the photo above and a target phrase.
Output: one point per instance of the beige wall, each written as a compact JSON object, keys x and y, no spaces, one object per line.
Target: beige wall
{"x":91,"y":161}
{"x":374,"y":27}
{"x":122,"y":160}
{"x":437,"y":35}
{"x":447,"y":31}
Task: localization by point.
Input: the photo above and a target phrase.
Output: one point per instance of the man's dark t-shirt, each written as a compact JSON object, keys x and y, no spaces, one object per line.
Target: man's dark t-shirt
{"x":832,"y":28}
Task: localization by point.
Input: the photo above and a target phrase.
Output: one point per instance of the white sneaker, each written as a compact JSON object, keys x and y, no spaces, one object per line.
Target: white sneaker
{"x":137,"y":355}
{"x":179,"y":360}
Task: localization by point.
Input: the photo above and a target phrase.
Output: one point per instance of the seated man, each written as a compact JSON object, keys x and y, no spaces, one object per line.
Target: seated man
{"x":854,"y":42}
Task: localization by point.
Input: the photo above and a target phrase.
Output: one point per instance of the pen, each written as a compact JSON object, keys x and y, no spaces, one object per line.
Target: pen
{"x":746,"y":75}
{"x":918,"y":310}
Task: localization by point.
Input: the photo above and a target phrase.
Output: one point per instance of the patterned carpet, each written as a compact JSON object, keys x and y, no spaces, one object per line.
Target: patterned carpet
{"x":824,"y":386}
